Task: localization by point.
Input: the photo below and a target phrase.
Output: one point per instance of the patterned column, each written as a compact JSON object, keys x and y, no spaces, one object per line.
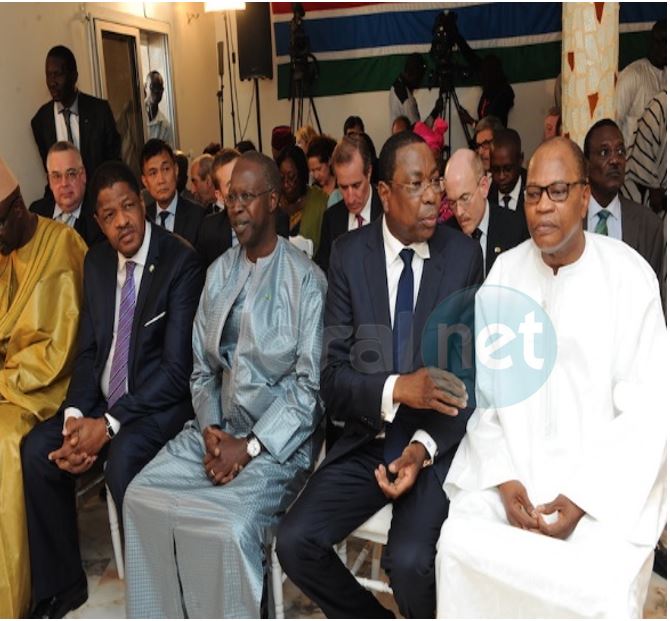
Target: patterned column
{"x":590,"y":58}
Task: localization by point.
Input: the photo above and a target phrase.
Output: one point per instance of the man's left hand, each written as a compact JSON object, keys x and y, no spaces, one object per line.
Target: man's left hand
{"x":406,"y":468}
{"x":91,"y":434}
{"x":569,"y":515}
{"x":231,"y":459}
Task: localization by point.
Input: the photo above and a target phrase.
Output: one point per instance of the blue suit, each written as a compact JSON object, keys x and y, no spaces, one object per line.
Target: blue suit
{"x":343,"y":493}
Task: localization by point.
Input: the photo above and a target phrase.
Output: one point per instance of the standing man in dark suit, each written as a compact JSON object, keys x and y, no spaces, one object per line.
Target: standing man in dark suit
{"x":610,"y":213}
{"x":129,"y":392}
{"x":508,"y":175}
{"x":170,"y":210}
{"x":360,"y":205}
{"x":467,"y":185}
{"x":66,"y":176}
{"x":85,"y":121}
{"x":385,"y":281}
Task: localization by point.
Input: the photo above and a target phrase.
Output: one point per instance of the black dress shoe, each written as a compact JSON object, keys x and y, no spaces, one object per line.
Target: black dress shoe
{"x":57,"y":606}
{"x":661,"y":561}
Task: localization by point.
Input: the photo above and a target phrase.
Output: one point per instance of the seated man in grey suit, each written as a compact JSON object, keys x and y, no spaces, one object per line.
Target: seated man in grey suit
{"x":170,"y":210}
{"x":67,"y":180}
{"x":495,"y":228}
{"x":612,"y":214}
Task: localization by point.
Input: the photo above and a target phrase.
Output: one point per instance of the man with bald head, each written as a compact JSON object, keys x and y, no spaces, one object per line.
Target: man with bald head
{"x":467,"y":186}
{"x":558,"y":494}
{"x":196,"y":516}
{"x":41,"y":268}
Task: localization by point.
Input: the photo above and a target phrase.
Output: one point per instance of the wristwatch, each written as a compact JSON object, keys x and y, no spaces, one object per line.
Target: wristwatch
{"x":109,"y":428}
{"x":253,"y":446}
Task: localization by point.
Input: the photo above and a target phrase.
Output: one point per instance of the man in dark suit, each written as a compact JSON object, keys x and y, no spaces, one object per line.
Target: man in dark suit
{"x":216,"y":235}
{"x":129,"y":392}
{"x":495,"y":229}
{"x":386,"y":280}
{"x":170,"y":210}
{"x":360,"y":205}
{"x":508,"y":176}
{"x":67,"y":181}
{"x":612,"y":214}
{"x":85,"y":121}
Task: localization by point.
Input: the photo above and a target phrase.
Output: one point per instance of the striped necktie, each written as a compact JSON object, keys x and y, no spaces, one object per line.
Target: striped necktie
{"x":119,"y":373}
{"x":601,"y":227}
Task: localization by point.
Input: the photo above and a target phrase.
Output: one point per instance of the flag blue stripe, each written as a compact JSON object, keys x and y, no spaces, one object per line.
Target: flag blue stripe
{"x":478,"y":22}
{"x":632,"y":12}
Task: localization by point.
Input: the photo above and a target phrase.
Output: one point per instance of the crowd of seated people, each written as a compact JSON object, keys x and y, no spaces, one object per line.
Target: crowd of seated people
{"x":192,"y":330}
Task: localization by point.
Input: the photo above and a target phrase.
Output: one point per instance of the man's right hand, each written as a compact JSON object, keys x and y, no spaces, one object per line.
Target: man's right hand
{"x":430,"y":388}
{"x":518,"y":507}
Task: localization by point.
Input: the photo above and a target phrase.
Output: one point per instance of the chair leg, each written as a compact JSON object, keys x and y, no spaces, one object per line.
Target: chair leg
{"x":116,"y":535}
{"x":277,"y":582}
{"x":376,"y":560}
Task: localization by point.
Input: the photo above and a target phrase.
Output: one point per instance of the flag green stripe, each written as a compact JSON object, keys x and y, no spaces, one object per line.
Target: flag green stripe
{"x":523,"y":63}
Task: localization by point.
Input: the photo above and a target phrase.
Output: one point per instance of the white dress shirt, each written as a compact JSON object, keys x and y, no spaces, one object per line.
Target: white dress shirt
{"x":61,"y":128}
{"x":63,"y":216}
{"x":484,"y":228}
{"x":365,"y":214}
{"x":514,"y":196}
{"x":614,"y":229}
{"x":394,"y":267}
{"x":172,"y":210}
{"x":140,"y":259}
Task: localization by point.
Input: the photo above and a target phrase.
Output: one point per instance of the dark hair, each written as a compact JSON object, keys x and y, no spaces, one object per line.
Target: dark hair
{"x":351,"y":122}
{"x":245,"y":145}
{"x":322,"y":148}
{"x":270,"y":169}
{"x":182,"y":170}
{"x":507,"y":138}
{"x":594,"y":127}
{"x":109,"y":173}
{"x":154,"y":147}
{"x":388,"y":155}
{"x":64,"y":54}
{"x":212,"y":149}
{"x":223,"y":157}
{"x":297,"y":156}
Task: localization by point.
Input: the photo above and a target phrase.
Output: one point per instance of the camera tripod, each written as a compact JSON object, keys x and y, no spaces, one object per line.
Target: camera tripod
{"x":301,"y":81}
{"x":447,"y":95}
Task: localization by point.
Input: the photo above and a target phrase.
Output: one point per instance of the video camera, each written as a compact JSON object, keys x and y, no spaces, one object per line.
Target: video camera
{"x":445,"y":39}
{"x":298,"y":42}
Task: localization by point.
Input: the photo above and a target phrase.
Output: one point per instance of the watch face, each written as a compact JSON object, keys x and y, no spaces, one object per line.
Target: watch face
{"x":253,"y":447}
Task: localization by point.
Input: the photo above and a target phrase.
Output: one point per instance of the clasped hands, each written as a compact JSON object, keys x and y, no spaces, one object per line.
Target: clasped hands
{"x":83,"y":439}
{"x":522,"y":514}
{"x":427,"y":388}
{"x":225,"y":455}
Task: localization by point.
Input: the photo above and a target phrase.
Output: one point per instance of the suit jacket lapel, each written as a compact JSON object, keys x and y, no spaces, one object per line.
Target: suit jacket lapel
{"x":429,"y":289}
{"x":108,"y":284}
{"x":375,"y":266}
{"x":376,"y":208}
{"x":83,"y":125}
{"x":180,"y":219}
{"x":146,"y":285}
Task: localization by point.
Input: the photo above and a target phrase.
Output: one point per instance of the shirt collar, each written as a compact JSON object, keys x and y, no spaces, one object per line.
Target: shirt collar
{"x":58,"y":211}
{"x":516,"y":190}
{"x":172,"y":207}
{"x":393,"y":246}
{"x":140,"y":257}
{"x":74,"y":108}
{"x":614,"y":208}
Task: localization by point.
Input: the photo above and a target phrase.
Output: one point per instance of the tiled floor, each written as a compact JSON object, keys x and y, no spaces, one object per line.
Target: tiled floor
{"x":106,"y":591}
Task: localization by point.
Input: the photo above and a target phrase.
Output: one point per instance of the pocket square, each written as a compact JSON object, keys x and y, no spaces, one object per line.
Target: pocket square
{"x":156,"y":318}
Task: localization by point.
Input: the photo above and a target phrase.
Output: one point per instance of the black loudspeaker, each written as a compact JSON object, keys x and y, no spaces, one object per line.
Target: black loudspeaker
{"x":254,"y":41}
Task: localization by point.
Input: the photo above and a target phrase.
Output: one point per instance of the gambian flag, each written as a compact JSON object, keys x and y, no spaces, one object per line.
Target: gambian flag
{"x":361,"y":46}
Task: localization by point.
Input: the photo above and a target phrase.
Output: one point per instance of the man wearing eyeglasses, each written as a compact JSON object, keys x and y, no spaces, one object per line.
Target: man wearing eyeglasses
{"x":484,"y":131}
{"x":41,"y":270}
{"x":610,"y":213}
{"x":209,"y":499}
{"x":558,"y":500}
{"x":403,"y":415}
{"x":496,"y":229}
{"x":67,"y":180}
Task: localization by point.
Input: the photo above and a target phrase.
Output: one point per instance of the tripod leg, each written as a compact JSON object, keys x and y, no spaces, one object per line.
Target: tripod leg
{"x":316,"y":114}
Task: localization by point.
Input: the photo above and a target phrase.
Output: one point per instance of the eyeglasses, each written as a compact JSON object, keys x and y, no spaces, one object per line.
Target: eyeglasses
{"x":605,"y":153}
{"x":484,"y":144}
{"x":417,"y":188}
{"x":243,"y":198}
{"x":557,"y":191}
{"x":55,"y":176}
{"x":465,"y":199}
